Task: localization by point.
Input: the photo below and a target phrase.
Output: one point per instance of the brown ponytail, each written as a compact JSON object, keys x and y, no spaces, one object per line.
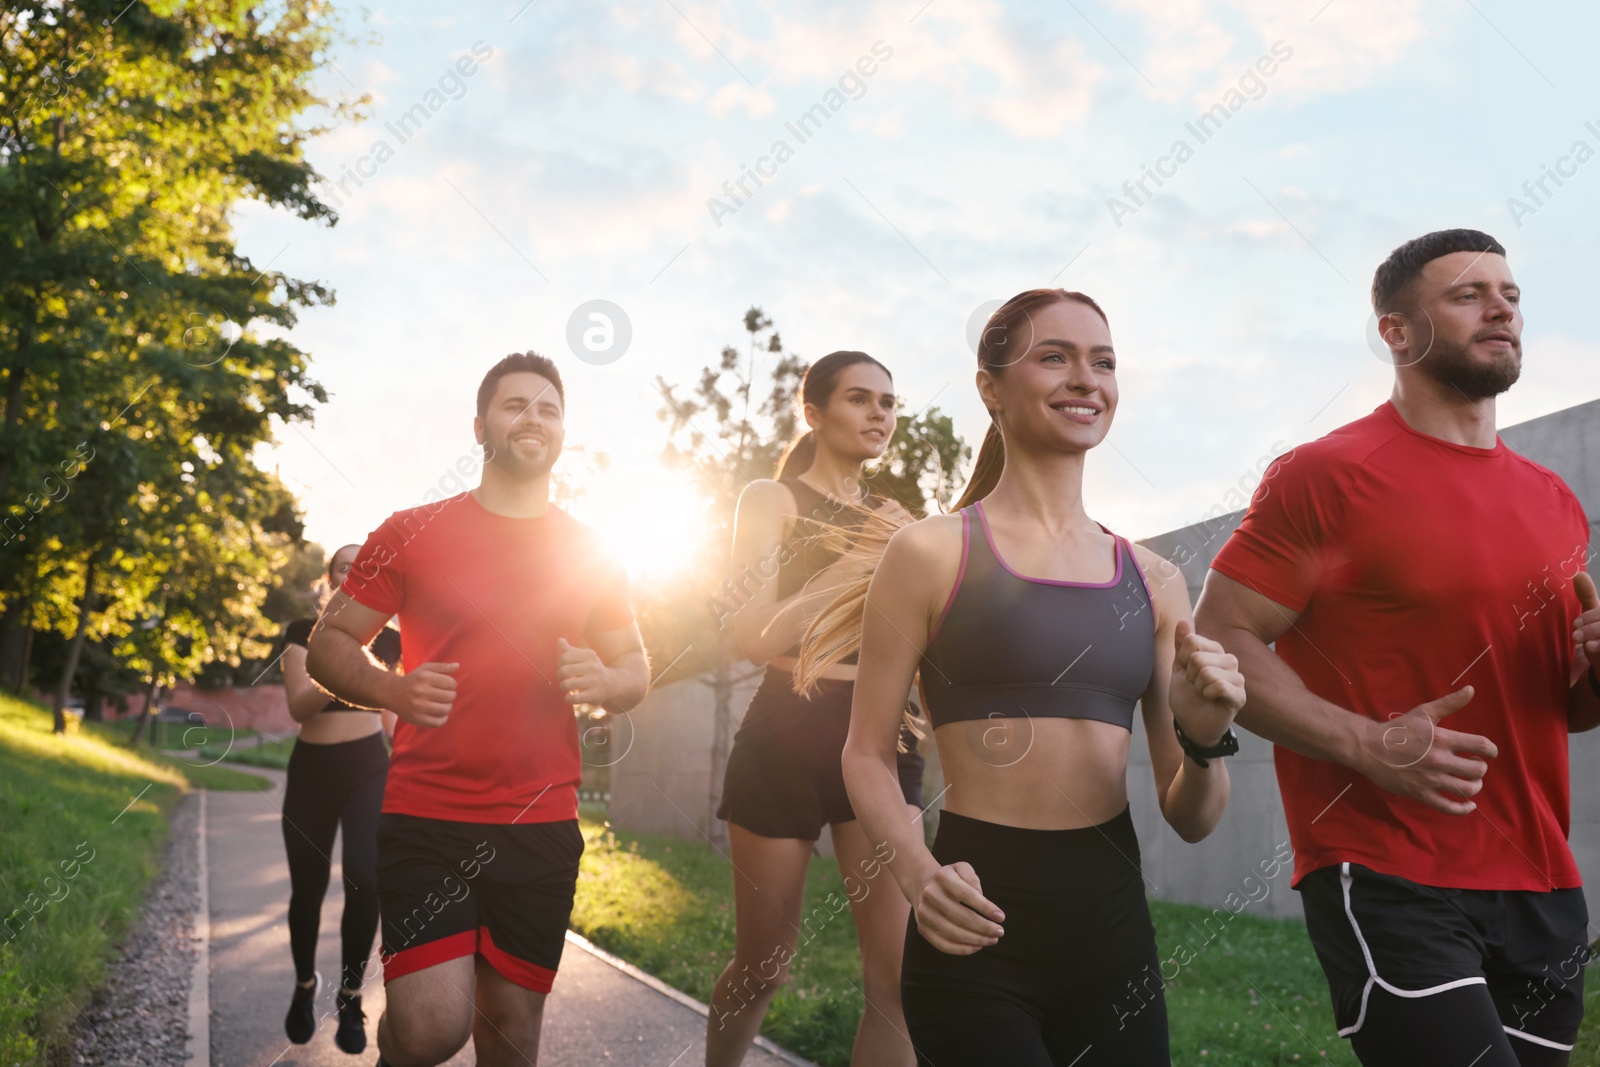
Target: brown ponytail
{"x":798,"y":457}
{"x":836,"y":632}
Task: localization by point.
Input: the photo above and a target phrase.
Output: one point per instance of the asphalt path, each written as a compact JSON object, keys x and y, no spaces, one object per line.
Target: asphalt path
{"x":598,"y":1012}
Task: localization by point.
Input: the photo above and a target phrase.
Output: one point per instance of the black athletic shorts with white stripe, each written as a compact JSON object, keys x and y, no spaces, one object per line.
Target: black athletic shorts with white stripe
{"x":1379,"y":934}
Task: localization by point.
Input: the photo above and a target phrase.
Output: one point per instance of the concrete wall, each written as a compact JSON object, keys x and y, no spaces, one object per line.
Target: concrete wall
{"x":663,"y":783}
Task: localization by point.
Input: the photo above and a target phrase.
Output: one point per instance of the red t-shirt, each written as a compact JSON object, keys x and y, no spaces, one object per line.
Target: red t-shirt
{"x":1418,"y":567}
{"x":493,"y":594}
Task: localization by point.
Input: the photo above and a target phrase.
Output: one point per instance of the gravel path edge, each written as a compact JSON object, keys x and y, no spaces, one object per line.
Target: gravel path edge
{"x":200,"y":937}
{"x":140,"y":1016}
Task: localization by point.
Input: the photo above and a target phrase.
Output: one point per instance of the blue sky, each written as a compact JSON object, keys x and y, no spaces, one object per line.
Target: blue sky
{"x":977,"y":159}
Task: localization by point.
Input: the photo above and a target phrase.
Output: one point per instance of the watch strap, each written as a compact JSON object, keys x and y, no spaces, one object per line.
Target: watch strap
{"x":1226,"y":745}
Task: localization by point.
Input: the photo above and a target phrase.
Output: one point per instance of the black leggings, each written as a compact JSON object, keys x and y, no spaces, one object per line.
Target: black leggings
{"x":1450,"y":1029}
{"x":330,"y":786}
{"x":1074,"y":979}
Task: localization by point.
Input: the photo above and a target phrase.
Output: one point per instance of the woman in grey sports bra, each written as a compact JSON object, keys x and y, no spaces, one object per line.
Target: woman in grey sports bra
{"x":1034,"y":632}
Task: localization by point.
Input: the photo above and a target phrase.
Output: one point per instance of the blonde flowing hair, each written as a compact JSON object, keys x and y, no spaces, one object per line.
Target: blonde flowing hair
{"x":835,"y":632}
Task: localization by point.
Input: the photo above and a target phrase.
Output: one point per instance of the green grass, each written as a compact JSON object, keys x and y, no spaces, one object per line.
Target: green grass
{"x":245,"y":750}
{"x":214,"y":748}
{"x":82,"y":820}
{"x":1252,"y":995}
{"x":666,"y":906}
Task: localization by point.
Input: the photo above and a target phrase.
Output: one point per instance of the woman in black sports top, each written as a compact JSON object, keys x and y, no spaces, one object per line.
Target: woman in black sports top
{"x":336,"y":776}
{"x":783,"y":780}
{"x":1036,"y":631}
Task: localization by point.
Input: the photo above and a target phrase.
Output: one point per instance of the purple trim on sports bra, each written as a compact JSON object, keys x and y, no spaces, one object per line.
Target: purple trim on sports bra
{"x":1116,"y":553}
{"x":961,"y":572}
{"x":1139,"y":570}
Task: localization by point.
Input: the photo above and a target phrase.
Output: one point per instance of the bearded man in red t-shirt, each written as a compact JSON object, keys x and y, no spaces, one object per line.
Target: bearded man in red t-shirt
{"x":509,"y":615}
{"x":1411,"y":566}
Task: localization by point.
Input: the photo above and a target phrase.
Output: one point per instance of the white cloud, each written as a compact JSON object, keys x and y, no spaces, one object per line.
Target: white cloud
{"x":757,"y":103}
{"x":974,"y":51}
{"x":1197,"y":49}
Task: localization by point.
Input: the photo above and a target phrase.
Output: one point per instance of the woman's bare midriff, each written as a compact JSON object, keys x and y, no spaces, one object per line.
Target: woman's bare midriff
{"x":1035,"y":773}
{"x":841,"y":671}
{"x":335,"y":727}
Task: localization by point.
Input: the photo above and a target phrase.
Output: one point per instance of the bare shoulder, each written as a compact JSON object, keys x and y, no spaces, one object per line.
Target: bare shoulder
{"x":1168,"y":587}
{"x":933,"y":542}
{"x":1158,"y":569}
{"x":768,"y":496}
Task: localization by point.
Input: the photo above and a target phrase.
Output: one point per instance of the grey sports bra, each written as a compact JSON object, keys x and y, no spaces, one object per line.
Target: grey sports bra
{"x":1009,"y":646}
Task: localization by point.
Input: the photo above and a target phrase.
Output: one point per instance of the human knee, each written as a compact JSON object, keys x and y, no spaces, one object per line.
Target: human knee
{"x":880,"y":977}
{"x":756,"y":979}
{"x":423,"y":1038}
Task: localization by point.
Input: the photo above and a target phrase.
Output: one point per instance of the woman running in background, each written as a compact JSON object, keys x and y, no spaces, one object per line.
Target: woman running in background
{"x":336,"y":776}
{"x":1036,"y":634}
{"x":783,"y":780}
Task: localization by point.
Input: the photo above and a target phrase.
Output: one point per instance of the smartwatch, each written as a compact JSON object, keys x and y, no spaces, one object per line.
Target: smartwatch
{"x":1227,"y":745}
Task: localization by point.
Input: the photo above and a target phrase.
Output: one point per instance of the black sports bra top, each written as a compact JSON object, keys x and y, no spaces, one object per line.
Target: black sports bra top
{"x":1009,"y":646}
{"x":804,"y":551}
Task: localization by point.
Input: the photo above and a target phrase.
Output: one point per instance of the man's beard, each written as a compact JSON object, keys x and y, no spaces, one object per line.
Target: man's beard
{"x":500,"y":452}
{"x":1452,"y":364}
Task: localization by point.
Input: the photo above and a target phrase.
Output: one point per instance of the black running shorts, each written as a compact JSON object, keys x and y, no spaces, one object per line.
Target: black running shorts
{"x":1377,"y":931}
{"x":784,"y":777}
{"x":451,"y":889}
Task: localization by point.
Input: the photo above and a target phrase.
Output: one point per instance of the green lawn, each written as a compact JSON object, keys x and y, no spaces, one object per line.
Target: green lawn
{"x":1254,"y":995}
{"x":82,"y":824}
{"x":212,"y":744}
{"x":248,"y":750}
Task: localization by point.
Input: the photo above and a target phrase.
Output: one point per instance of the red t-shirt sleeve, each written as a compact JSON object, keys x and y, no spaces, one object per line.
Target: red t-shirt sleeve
{"x":612,"y":610}
{"x":377,"y":578}
{"x":1279,"y":550}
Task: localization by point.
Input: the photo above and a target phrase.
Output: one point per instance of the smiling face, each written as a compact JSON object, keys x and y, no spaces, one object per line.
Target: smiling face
{"x":1460,"y":323}
{"x":521,"y":430}
{"x":1058,"y":393}
{"x":860,"y":415}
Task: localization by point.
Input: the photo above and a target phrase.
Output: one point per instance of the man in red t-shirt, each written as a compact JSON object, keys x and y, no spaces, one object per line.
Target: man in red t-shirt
{"x":509,"y":615}
{"x":1412,"y":566}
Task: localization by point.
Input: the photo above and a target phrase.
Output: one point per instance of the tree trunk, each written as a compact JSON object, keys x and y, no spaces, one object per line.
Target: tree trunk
{"x":75,"y":649}
{"x":15,"y":638}
{"x":145,"y":713}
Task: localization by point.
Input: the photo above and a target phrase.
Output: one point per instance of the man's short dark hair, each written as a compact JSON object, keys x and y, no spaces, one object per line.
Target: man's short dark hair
{"x":518,"y":361}
{"x":1407,"y":261}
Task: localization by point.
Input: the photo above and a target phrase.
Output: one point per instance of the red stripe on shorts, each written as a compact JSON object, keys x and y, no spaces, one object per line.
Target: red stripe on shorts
{"x":408,"y":960}
{"x":525,"y":974}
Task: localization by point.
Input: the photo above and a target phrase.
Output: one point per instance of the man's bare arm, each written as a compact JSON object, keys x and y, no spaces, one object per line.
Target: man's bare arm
{"x":336,"y":654}
{"x":1583,"y":701}
{"x":1411,"y":754}
{"x":337,"y":660}
{"x":613,"y":671}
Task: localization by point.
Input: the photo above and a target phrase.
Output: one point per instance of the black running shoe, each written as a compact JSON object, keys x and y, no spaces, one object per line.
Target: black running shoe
{"x":301,"y":1022}
{"x":351,"y":1036}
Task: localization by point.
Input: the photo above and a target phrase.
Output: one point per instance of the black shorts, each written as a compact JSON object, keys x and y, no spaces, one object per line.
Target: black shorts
{"x":1375,"y":930}
{"x":784,"y":778}
{"x":1075,"y":978}
{"x":451,"y":889}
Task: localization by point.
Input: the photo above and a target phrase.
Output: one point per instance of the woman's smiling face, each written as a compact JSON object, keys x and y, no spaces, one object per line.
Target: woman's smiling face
{"x":1058,"y":388}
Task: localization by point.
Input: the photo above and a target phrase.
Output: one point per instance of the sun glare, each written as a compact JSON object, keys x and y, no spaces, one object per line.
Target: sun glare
{"x":650,"y":518}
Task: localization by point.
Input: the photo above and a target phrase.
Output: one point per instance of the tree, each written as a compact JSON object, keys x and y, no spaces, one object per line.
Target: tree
{"x":128,"y":320}
{"x":714,"y":434}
